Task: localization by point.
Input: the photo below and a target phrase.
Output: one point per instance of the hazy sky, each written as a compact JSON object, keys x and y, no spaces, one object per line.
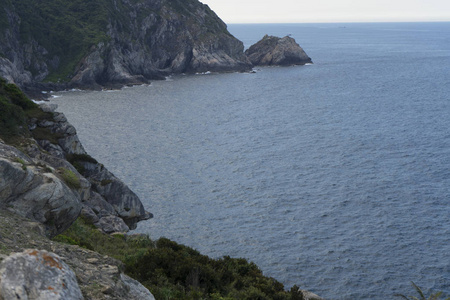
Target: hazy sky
{"x":295,"y":11}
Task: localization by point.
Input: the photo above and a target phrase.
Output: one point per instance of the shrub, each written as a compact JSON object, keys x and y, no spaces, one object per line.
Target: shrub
{"x":70,"y":178}
{"x":78,"y":160}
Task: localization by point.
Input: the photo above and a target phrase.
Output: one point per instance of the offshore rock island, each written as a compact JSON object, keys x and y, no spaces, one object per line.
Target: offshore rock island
{"x":275,"y":51}
{"x":62,"y":212}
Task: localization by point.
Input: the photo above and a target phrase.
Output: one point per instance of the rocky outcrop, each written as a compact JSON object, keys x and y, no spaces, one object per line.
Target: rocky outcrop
{"x":35,"y":191}
{"x":53,"y":180}
{"x":275,"y":51}
{"x":42,"y":272}
{"x":136,"y":42}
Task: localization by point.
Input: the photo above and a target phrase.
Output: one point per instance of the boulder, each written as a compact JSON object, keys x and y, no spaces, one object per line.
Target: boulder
{"x":112,"y":224}
{"x":37,"y":274}
{"x":275,"y":51}
{"x":136,"y":289}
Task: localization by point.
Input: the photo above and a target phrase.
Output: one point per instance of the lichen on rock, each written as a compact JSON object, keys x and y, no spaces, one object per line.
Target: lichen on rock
{"x":37,"y":274}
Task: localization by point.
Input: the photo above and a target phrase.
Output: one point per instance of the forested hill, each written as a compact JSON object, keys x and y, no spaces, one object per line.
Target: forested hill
{"x":93,"y":43}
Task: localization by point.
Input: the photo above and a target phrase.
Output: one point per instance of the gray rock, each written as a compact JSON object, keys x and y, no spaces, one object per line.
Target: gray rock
{"x":112,"y":196}
{"x":54,"y":150}
{"x":71,"y":144}
{"x":99,"y":205}
{"x":137,"y":290}
{"x":89,"y":214}
{"x":111,"y":224}
{"x":310,"y":296}
{"x":125,"y":202}
{"x":33,"y":192}
{"x":99,"y":277}
{"x":48,"y":107}
{"x":37,"y":274}
{"x":275,"y":51}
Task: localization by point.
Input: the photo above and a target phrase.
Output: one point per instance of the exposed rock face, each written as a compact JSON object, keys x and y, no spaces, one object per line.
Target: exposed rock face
{"x":141,"y":40}
{"x":35,"y":192}
{"x":97,"y":276}
{"x":45,"y":187}
{"x":124,"y":202}
{"x":37,"y":274}
{"x":275,"y":51}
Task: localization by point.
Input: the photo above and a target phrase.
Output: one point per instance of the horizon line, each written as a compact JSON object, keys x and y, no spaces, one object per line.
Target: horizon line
{"x":335,"y":22}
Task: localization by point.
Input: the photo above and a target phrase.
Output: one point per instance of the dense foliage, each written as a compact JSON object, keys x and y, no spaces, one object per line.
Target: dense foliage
{"x":15,"y":112}
{"x":14,"y":108}
{"x":173,"y":271}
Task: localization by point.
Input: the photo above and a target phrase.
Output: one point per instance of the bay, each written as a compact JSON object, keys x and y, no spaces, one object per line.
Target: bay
{"x":333,"y":176}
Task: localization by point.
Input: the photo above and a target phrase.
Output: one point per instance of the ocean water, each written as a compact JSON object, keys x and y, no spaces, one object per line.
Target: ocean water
{"x":333,"y":176}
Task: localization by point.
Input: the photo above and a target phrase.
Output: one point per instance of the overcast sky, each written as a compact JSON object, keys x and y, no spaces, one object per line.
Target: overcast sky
{"x":296,"y":11}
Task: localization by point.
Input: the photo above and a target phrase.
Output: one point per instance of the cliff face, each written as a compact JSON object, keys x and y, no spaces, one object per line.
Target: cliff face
{"x":48,"y":177}
{"x":106,"y":42}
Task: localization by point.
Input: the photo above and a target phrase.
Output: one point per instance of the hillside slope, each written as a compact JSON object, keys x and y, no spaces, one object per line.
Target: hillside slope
{"x":94,"y":43}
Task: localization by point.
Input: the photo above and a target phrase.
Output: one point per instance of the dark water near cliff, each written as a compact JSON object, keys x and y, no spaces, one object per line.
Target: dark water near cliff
{"x":333,"y":176}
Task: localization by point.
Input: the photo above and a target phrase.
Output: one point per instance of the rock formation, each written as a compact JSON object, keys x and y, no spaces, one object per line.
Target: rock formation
{"x":48,"y":273}
{"x":41,"y":184}
{"x":275,"y":51}
{"x":107,"y":43}
{"x":35,"y":191}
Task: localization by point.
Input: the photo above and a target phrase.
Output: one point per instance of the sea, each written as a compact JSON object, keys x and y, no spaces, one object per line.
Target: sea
{"x":333,"y":176}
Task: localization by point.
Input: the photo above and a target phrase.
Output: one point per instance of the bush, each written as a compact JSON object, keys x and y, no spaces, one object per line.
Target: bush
{"x":173,"y":271}
{"x":69,"y":178}
{"x":78,"y":161}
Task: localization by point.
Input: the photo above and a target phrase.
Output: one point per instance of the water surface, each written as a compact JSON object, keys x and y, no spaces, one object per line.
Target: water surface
{"x":333,"y":176}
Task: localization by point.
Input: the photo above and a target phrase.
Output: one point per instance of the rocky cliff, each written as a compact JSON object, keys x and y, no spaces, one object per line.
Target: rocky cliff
{"x":47,"y":181}
{"x":52,"y":179}
{"x":93,"y":43}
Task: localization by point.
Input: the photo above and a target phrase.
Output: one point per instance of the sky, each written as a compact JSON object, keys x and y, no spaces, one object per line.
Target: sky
{"x":323,"y":11}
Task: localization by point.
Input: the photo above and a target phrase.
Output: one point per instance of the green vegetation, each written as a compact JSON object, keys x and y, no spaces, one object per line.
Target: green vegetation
{"x":15,"y":107}
{"x":15,"y":112}
{"x":69,"y":178}
{"x":78,"y":160}
{"x":433,"y":296}
{"x":67,"y":29}
{"x":173,"y":271}
{"x":22,"y":162}
{"x":42,"y":133}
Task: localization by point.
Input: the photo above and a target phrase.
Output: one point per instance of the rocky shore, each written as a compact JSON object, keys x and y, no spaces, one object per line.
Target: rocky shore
{"x":127,"y":44}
